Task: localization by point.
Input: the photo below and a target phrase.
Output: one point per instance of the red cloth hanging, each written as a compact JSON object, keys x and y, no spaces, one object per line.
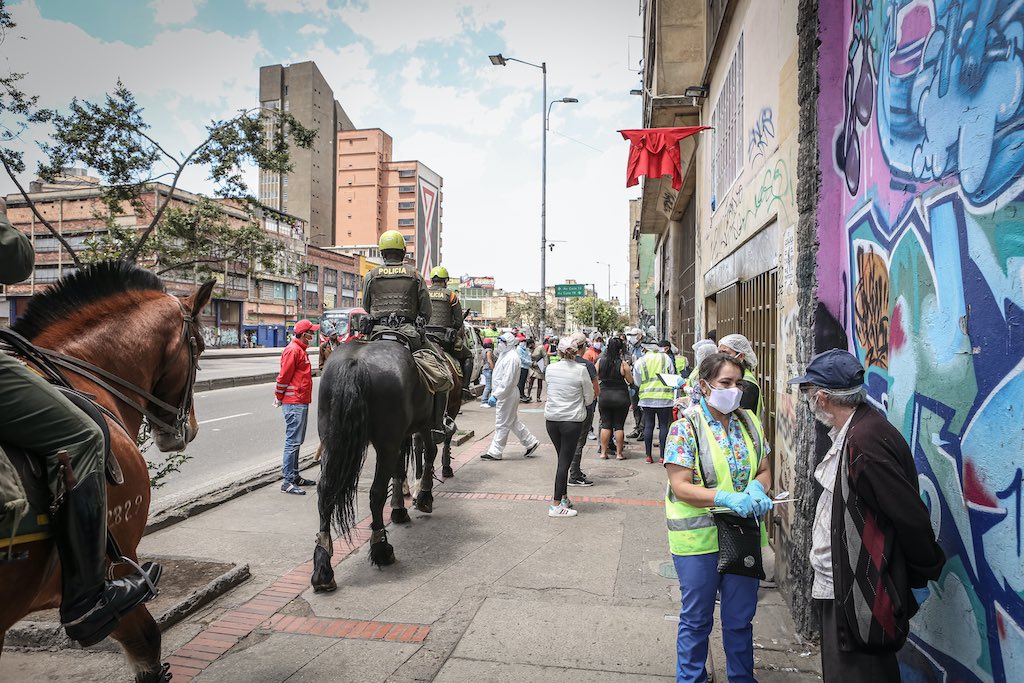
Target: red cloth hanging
{"x":654,"y":152}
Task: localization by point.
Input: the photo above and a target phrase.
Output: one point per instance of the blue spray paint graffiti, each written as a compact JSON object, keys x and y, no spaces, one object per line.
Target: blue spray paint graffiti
{"x":761,"y":134}
{"x":929,"y":145}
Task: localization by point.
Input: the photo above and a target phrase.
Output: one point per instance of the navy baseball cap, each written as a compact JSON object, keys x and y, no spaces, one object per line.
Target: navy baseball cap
{"x":833,"y":369}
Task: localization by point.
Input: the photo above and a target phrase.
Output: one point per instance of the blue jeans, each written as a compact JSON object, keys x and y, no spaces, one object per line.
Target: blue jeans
{"x":486,"y":372}
{"x":295,"y":416}
{"x":699,"y":582}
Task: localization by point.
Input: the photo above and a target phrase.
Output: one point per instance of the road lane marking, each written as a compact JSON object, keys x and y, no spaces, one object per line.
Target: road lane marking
{"x":226,"y":417}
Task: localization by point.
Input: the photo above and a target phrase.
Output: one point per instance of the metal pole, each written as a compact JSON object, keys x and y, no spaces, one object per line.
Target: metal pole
{"x":609,"y":282}
{"x":543,"y":201}
{"x":593,"y":309}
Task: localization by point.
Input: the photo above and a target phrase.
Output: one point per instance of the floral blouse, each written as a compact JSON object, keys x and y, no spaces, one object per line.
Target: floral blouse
{"x":681,"y":448}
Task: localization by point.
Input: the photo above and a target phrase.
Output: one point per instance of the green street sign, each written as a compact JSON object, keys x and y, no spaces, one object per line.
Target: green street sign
{"x":570,"y":290}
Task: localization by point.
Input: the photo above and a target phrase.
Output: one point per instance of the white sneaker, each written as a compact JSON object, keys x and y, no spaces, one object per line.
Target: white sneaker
{"x":561,"y":511}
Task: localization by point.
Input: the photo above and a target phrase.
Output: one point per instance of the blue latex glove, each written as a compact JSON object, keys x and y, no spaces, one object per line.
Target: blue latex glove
{"x":921,"y":594}
{"x":762,"y":503}
{"x":740,"y":503}
{"x":492,"y":401}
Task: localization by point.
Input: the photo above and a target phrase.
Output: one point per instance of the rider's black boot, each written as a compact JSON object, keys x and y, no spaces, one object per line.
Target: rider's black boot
{"x":438,"y":433}
{"x":90,"y":606}
{"x":467,"y":374}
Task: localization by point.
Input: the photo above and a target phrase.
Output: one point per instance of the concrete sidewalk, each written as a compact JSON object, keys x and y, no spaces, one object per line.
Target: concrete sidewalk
{"x":485,"y":588}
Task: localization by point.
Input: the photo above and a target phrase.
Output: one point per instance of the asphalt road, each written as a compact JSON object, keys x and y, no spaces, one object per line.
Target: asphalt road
{"x":240,"y":431}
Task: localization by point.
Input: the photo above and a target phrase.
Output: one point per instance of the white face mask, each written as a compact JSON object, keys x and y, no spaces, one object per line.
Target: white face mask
{"x":820,"y":415}
{"x":598,"y":346}
{"x":725,"y":400}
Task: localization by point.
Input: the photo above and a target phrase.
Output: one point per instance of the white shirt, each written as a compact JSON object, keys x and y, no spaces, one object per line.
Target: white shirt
{"x":570,"y":391}
{"x":821,"y":533}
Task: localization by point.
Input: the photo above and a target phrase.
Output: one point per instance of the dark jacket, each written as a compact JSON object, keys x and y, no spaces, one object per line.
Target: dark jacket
{"x":893,"y":546}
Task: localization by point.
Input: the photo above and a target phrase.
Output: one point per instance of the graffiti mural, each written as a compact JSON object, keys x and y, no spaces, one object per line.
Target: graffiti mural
{"x":926,"y":135}
{"x":761,"y":134}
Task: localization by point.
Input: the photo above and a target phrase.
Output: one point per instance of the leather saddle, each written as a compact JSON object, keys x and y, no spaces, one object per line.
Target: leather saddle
{"x":388,"y":334}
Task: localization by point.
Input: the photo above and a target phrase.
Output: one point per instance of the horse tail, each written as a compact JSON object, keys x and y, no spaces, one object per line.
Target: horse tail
{"x":347,"y":438}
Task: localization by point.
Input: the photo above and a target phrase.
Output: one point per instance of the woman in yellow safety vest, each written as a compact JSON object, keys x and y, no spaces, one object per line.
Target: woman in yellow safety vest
{"x":740,"y":348}
{"x":716,"y":455}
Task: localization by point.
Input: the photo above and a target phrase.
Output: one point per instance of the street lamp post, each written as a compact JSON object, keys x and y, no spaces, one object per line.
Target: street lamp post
{"x":499,"y":60}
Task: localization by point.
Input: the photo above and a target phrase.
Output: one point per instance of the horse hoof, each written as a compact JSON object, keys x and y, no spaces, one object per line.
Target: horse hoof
{"x":447,"y":472}
{"x":328,"y":587}
{"x":424,"y":503}
{"x":400,"y":516}
{"x":160,"y":675}
{"x":382,"y":554}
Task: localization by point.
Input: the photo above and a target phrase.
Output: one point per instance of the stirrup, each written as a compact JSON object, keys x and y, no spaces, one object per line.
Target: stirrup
{"x":153,"y":590}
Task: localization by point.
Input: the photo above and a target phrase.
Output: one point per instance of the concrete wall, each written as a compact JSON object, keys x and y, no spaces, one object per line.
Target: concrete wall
{"x":361,"y":159}
{"x":920,"y":274}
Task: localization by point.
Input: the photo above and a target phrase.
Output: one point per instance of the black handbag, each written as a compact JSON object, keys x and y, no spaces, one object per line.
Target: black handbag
{"x":739,"y":545}
{"x":739,"y":542}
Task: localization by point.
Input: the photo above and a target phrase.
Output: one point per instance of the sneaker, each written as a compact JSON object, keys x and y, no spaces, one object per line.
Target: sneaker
{"x":591,"y":436}
{"x":485,"y":404}
{"x":566,"y":503}
{"x":289,"y":487}
{"x":490,"y":456}
{"x":580,"y":481}
{"x":649,"y":460}
{"x":531,"y":449}
{"x":561,"y":511}
{"x":299,"y":481}
{"x":661,"y":461}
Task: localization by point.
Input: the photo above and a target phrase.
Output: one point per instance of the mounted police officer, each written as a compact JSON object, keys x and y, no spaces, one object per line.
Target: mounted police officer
{"x":38,"y":419}
{"x":445,"y":325}
{"x":396,"y":298}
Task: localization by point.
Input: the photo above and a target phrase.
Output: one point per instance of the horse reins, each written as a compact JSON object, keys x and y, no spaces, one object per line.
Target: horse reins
{"x":105,"y":379}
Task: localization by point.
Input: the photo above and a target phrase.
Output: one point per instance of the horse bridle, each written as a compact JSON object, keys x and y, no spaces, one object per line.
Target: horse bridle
{"x":105,"y":379}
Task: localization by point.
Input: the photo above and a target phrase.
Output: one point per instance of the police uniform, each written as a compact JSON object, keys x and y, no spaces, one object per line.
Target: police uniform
{"x":394,"y":296}
{"x":446,"y":328}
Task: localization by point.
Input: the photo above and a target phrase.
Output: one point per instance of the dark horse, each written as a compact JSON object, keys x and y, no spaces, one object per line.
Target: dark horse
{"x":370,"y":393}
{"x":119,"y":318}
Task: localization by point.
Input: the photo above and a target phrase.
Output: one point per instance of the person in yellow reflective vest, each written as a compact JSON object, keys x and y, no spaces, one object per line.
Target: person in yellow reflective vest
{"x":716,"y":455}
{"x":655,"y":396}
{"x":740,"y":348}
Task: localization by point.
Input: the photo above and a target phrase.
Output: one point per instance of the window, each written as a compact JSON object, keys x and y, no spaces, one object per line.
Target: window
{"x":291,"y":292}
{"x":273,"y":290}
{"x":403,"y":206}
{"x":330,"y":277}
{"x":314,"y":274}
{"x":727,"y":121}
{"x":284,"y":181}
{"x":405,"y":222}
{"x":46,"y":244}
{"x":310,"y":300}
{"x":407,"y":174}
{"x":406,"y":189}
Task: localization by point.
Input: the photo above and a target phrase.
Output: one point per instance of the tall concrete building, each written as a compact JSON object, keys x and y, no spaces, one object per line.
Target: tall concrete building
{"x":308,"y":191}
{"x":375,"y":194}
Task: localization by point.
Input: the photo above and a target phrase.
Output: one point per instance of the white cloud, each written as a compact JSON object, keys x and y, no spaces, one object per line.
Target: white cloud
{"x":171,"y":12}
{"x":318,"y":7}
{"x":420,"y":22}
{"x":313,"y":30}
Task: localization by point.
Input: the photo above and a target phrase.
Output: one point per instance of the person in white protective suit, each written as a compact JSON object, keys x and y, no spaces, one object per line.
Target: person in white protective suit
{"x":505,"y":398}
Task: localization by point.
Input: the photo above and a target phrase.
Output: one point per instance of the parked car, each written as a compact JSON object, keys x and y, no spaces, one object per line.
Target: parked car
{"x":346,"y":321}
{"x":474,"y":342}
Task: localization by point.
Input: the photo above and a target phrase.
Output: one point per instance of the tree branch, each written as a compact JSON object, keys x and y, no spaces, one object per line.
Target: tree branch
{"x":39,"y":216}
{"x":159,"y":147}
{"x":134,"y":253}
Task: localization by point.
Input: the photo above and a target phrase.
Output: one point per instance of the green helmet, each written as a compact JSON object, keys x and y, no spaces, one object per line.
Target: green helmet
{"x":392,"y":239}
{"x":439,"y":273}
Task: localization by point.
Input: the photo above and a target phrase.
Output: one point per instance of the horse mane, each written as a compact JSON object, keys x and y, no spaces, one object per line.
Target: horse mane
{"x":93,"y":283}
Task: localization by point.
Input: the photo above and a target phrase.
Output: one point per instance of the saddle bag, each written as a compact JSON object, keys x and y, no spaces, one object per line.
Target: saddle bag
{"x":433,"y":371}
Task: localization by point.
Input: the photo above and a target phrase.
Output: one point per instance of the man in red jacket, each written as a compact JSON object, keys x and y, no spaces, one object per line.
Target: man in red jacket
{"x":294,"y":393}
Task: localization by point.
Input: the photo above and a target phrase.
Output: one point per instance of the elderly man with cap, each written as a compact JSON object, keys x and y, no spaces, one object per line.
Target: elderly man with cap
{"x":505,"y":398}
{"x":873,"y":549}
{"x":294,"y":393}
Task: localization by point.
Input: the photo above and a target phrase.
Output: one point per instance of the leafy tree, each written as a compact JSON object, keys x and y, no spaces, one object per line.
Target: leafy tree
{"x":526,"y":311}
{"x":113,"y":139}
{"x":605,"y":316}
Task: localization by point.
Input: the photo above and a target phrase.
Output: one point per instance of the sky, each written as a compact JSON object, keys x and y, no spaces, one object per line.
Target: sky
{"x":417,"y":69}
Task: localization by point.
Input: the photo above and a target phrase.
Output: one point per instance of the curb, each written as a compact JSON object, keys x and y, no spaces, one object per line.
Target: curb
{"x":45,"y":635}
{"x":458,"y":439}
{"x":207,"y":501}
{"x":245,"y":380}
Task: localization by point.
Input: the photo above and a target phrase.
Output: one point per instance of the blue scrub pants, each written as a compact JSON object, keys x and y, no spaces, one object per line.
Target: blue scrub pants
{"x":699,"y":583}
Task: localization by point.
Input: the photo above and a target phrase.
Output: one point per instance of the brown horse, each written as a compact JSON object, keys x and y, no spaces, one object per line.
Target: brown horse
{"x":118,"y":318}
